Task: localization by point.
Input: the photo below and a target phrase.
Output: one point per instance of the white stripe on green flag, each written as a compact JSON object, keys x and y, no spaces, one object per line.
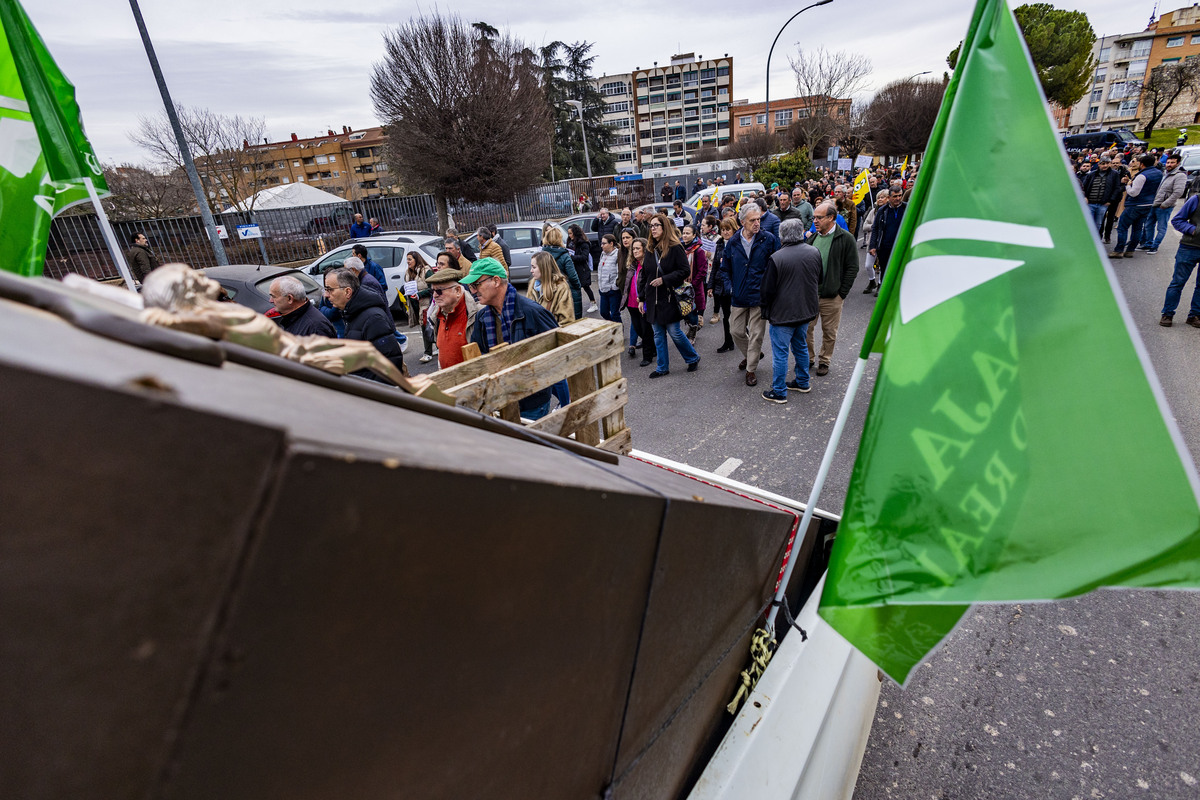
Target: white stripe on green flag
{"x":44,"y":154}
{"x":1016,"y":447}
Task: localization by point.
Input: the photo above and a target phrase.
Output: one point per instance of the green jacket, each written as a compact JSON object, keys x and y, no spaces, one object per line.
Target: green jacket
{"x":841,"y":268}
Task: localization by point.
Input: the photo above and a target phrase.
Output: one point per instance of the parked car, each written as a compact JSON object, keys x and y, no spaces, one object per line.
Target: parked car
{"x":668,"y":209}
{"x":524,"y":238}
{"x":389,"y":251}
{"x":734,"y":189}
{"x":1190,"y":163}
{"x":250,"y":284}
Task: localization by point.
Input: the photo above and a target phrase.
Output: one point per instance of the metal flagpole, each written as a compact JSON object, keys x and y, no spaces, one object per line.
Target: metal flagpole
{"x":114,"y":247}
{"x":819,"y":483}
{"x":190,"y":166}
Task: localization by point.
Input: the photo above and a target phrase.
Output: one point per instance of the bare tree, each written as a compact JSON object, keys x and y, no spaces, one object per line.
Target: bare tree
{"x":138,"y":192}
{"x":465,"y":110}
{"x":1164,"y":85}
{"x":902,"y":114}
{"x":751,"y":150}
{"x":230,"y":168}
{"x":854,"y":134}
{"x":826,"y":81}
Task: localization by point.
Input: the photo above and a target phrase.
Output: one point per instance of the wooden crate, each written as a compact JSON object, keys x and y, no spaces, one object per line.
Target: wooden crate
{"x":587,"y":353}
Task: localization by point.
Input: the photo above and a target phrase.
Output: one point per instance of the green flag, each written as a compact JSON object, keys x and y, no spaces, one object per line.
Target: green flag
{"x":44,"y":154}
{"x":1017,"y":446}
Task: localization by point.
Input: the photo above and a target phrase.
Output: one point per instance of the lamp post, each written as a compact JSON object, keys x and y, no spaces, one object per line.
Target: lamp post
{"x":578,"y":106}
{"x":767,"y":104}
{"x":919,"y":74}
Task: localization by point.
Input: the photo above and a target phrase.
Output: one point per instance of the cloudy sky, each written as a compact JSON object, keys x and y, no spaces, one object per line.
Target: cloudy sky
{"x":305,"y":65}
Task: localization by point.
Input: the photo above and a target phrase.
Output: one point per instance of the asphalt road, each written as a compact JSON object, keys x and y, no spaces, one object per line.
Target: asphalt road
{"x":1090,"y":698}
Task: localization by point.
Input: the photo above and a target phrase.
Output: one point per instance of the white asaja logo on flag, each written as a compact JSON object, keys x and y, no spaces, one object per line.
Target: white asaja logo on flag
{"x":932,"y":280}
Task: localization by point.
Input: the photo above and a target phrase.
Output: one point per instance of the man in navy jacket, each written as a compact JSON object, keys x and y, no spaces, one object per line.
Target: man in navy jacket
{"x":745,"y":260}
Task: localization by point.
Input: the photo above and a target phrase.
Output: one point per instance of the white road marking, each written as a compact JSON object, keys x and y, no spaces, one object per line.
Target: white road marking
{"x":726,"y":469}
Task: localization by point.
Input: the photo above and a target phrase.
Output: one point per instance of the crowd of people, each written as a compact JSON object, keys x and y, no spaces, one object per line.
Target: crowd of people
{"x":1138,"y":191}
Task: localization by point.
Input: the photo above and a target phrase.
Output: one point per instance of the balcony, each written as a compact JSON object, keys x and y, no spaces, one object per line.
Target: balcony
{"x":1113,"y":116}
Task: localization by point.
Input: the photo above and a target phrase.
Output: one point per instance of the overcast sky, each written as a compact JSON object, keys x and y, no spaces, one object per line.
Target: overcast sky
{"x":305,"y":65}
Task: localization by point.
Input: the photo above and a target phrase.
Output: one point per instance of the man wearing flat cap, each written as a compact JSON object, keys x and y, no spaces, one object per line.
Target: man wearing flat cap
{"x":452,"y":315}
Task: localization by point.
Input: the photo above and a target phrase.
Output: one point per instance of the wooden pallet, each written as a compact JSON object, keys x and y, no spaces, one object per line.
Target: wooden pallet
{"x":587,"y":353}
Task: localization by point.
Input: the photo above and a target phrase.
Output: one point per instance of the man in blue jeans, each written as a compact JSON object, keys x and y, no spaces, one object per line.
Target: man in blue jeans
{"x":1174,"y":184}
{"x":790,"y":301}
{"x":1139,"y":197}
{"x":1186,"y":258}
{"x":1100,"y":188}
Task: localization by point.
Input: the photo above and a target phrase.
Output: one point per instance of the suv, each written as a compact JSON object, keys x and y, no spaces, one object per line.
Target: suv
{"x":389,"y":251}
{"x":1122,"y":138}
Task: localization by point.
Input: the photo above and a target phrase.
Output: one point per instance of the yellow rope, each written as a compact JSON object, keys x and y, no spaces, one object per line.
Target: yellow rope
{"x":762,"y":647}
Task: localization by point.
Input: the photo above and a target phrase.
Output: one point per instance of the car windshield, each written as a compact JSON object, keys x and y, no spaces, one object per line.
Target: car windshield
{"x":1191,"y":161}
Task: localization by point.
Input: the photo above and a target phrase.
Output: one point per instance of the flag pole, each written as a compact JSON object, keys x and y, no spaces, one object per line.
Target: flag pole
{"x":110,"y":238}
{"x":826,"y":461}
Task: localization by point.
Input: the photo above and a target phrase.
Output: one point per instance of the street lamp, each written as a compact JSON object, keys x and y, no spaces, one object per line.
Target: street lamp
{"x":919,"y":74}
{"x":583,"y":131}
{"x":767,"y":104}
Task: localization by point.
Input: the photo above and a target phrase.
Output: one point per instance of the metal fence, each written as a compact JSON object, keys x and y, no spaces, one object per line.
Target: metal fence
{"x":305,"y":233}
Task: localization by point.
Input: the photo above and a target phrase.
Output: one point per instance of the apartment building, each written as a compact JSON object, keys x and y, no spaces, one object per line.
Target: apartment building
{"x":664,"y":116}
{"x":751,"y":117}
{"x":348,"y":164}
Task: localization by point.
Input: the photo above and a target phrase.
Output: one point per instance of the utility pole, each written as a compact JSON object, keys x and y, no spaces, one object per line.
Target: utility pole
{"x":578,"y":106}
{"x":190,"y":166}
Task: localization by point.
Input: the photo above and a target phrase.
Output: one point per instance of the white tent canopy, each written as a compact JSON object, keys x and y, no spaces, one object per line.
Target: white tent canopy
{"x":289,"y":195}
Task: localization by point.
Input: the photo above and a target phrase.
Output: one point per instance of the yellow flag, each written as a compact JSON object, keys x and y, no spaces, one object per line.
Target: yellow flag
{"x":903,"y":166}
{"x":861,"y":186}
{"x":738,"y":207}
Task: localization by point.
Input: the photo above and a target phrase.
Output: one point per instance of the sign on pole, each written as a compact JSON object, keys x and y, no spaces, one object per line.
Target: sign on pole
{"x":862,"y":162}
{"x":249,"y":232}
{"x":843,"y":164}
{"x":221,"y":232}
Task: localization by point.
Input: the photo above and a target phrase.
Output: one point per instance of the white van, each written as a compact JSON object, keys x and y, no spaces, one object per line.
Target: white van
{"x":735,"y":189}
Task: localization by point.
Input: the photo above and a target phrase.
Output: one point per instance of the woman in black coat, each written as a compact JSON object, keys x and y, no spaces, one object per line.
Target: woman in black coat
{"x":581,"y":254}
{"x":656,"y":291}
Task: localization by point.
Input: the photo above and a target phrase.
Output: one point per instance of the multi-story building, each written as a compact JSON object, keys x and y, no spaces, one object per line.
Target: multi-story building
{"x":349,"y":164}
{"x":665,"y":116}
{"x":751,"y":117}
{"x":1123,"y":63}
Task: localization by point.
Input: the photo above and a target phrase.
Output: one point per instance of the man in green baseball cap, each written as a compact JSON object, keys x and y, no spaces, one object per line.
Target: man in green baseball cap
{"x":505,"y":317}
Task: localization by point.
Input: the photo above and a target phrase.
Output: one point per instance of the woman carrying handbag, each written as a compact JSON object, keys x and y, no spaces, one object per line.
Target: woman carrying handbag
{"x":666,"y":270}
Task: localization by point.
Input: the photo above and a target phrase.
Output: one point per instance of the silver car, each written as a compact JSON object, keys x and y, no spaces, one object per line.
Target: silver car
{"x":524,"y":239}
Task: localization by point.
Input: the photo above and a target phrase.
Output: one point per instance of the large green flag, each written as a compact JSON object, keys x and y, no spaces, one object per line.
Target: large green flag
{"x":44,"y":154}
{"x":1017,"y":446}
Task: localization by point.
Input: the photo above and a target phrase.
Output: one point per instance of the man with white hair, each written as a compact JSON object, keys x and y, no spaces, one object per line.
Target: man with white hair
{"x":297,"y":315}
{"x":367,"y":280}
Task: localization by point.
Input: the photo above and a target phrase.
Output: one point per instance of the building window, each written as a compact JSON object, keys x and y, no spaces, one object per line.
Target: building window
{"x":1128,"y":108}
{"x":708,"y":74}
{"x":760,"y":119}
{"x":1105,"y":53}
{"x":1195,"y":39}
{"x":656,"y":83}
{"x":722,"y":71}
{"x":616,"y":108}
{"x":322,"y":160}
{"x":1100,"y":75}
{"x":1093,"y":113}
{"x":1174,"y":41}
{"x":285,"y":179}
{"x":783,"y":118}
{"x":614,"y":89}
{"x":673,"y":97}
{"x":656,"y":99}
{"x":1170,"y":60}
{"x":1097,"y":94}
{"x":801,"y":113}
{"x":1137,"y":67}
{"x":1141,"y":48}
{"x":743,"y":122}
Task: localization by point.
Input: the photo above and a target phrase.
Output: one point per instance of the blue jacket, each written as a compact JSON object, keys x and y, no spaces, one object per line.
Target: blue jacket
{"x":529,"y":319}
{"x":360,"y":231}
{"x":770,"y":223}
{"x":887,"y":225}
{"x":376,"y":272}
{"x":746,"y":273}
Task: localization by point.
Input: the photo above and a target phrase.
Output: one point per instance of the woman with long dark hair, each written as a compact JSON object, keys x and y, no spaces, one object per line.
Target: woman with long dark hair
{"x":625,"y":244}
{"x":640,"y":259}
{"x":656,"y":290}
{"x":720,"y":285}
{"x":581,"y":253}
{"x":418,"y":302}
